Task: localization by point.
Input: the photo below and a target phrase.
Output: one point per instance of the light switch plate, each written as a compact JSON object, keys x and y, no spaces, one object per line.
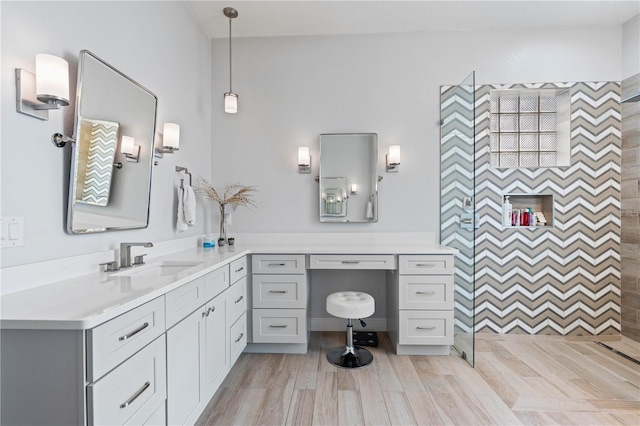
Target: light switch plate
{"x":12,"y":231}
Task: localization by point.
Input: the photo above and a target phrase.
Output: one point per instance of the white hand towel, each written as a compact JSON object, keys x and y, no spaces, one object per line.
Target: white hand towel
{"x":369,"y":210}
{"x":181,"y":224}
{"x":189,"y":206}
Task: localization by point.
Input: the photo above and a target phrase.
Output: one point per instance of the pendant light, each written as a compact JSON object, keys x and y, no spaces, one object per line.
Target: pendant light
{"x":230,"y":98}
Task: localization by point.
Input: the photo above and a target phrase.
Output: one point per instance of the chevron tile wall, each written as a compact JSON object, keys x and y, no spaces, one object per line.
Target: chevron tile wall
{"x":96,"y":152}
{"x":559,"y":280}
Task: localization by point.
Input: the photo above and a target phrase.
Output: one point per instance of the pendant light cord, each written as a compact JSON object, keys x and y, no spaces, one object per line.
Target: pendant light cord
{"x":230,"y":87}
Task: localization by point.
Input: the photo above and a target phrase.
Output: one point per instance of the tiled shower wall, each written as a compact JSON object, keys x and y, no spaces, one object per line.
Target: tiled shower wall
{"x":630,"y":232}
{"x":564,"y":279}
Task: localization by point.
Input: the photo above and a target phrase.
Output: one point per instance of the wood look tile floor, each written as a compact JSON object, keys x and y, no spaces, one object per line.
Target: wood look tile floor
{"x":518,"y":380}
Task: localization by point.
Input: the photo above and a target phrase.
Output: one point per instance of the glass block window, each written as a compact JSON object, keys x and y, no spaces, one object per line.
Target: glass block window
{"x":523,"y":130}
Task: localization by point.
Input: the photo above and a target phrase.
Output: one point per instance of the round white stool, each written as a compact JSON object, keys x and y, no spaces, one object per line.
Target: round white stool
{"x":349,"y":305}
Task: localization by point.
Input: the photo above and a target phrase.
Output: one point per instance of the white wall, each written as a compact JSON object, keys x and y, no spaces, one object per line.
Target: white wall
{"x":157,"y":44}
{"x":631,"y":47}
{"x":291,"y":89}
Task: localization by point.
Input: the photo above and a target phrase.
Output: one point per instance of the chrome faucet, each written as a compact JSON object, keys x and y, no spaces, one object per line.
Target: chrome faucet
{"x":125,"y":252}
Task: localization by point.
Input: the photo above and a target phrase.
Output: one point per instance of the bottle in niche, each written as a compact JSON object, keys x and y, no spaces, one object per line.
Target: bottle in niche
{"x":524,"y":217}
{"x":532,"y":218}
{"x":507,"y":211}
{"x":515,"y":217}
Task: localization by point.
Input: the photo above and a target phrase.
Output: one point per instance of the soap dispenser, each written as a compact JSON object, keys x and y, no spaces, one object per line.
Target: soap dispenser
{"x":506,"y":212}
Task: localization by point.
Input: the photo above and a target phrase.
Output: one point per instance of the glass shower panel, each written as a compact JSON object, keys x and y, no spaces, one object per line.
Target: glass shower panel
{"x":458,"y":220}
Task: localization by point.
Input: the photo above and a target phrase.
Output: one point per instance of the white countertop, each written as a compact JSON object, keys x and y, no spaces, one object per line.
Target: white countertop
{"x":90,"y":300}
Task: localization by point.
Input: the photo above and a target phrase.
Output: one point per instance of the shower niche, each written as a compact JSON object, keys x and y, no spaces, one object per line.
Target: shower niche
{"x":541,"y":204}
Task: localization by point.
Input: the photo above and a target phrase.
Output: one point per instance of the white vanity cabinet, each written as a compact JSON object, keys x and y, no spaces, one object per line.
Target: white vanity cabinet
{"x":197,"y":356}
{"x":237,"y":302}
{"x":279,"y":289}
{"x":421,"y":299}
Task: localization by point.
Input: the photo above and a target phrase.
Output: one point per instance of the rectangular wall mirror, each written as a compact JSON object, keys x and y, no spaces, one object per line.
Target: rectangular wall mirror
{"x":348,"y":177}
{"x":115,"y":122}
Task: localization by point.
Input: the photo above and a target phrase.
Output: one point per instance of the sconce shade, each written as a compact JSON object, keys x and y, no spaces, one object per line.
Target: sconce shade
{"x":354,"y":188}
{"x":230,"y":103}
{"x":126,"y":145}
{"x":171,"y":136}
{"x":52,"y":79}
{"x":303,"y":156}
{"x":394,"y":155}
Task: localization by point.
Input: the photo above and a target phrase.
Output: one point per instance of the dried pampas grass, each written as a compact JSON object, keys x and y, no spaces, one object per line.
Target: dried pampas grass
{"x":234,"y":194}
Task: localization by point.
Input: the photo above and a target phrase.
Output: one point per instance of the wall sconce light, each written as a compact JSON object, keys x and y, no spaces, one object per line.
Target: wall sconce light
{"x":354,"y":188}
{"x":170,"y":140}
{"x":230,"y":98}
{"x":393,"y":159}
{"x":47,"y":89}
{"x":304,"y":160}
{"x":130,"y":150}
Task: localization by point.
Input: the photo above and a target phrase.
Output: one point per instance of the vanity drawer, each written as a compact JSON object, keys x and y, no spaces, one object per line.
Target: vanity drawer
{"x":132,"y":392}
{"x":184,"y":300}
{"x":111,"y":343}
{"x":279,"y":291}
{"x":238,"y":269}
{"x":426,"y":328}
{"x":352,"y":261}
{"x":237,"y":338}
{"x":279,"y":326}
{"x":426,"y":292}
{"x":215,"y":282}
{"x":236,"y":300}
{"x":278,"y":264}
{"x":426,"y":264}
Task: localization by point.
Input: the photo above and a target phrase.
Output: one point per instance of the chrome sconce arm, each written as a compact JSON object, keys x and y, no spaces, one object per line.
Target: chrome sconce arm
{"x":60,"y":140}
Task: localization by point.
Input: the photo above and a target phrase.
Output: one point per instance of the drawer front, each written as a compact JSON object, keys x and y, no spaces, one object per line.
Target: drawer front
{"x":236,"y":300}
{"x":237,"y":338}
{"x":133,"y":390}
{"x":111,"y":343}
{"x":279,"y":326}
{"x":238,"y":269}
{"x":426,"y":328}
{"x":184,"y":300}
{"x":278,"y":264}
{"x":279,"y":291}
{"x":216,"y":282}
{"x":426,"y":292}
{"x":426,"y":264}
{"x":369,"y":261}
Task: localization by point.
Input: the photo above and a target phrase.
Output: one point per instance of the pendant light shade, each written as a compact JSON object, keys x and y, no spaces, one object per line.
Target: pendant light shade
{"x":230,"y":98}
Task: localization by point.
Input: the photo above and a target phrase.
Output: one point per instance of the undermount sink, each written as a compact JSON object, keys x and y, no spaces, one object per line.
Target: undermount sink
{"x":157,"y":269}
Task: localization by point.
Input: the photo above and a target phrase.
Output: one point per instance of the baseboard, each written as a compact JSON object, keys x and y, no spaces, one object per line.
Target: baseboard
{"x":340,"y":324}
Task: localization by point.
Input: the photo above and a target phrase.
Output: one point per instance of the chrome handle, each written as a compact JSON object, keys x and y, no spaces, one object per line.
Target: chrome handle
{"x":205,"y":313}
{"x":276,"y":264}
{"x":240,"y":269}
{"x":135,"y":395}
{"x":350,"y":262}
{"x":278,"y":291}
{"x":425,"y":265}
{"x":110,"y":266}
{"x":139,"y":260}
{"x":466,"y":220}
{"x":134,"y":332}
{"x":277,"y":326}
{"x":239,"y":299}
{"x":239,"y":338}
{"x":426,"y":328}
{"x":429,"y":293}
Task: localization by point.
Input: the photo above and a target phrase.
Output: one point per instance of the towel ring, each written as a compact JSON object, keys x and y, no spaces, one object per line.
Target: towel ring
{"x":186,"y":172}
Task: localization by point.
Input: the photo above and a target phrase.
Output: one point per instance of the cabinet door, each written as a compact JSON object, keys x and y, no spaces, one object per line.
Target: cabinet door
{"x":215,"y":362}
{"x":184,"y":357}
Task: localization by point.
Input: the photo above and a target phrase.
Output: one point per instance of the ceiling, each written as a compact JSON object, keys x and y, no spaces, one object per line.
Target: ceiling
{"x":295,"y":18}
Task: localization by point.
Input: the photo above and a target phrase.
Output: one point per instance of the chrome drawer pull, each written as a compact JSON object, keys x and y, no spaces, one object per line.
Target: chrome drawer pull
{"x":350,"y":262}
{"x":239,"y":300}
{"x":276,"y":264}
{"x":135,"y":395}
{"x":426,"y":328}
{"x":277,"y":326}
{"x":134,"y":332}
{"x":426,"y":265}
{"x":239,"y":338}
{"x":428,"y":293}
{"x":278,"y":291}
{"x":241,"y":268}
